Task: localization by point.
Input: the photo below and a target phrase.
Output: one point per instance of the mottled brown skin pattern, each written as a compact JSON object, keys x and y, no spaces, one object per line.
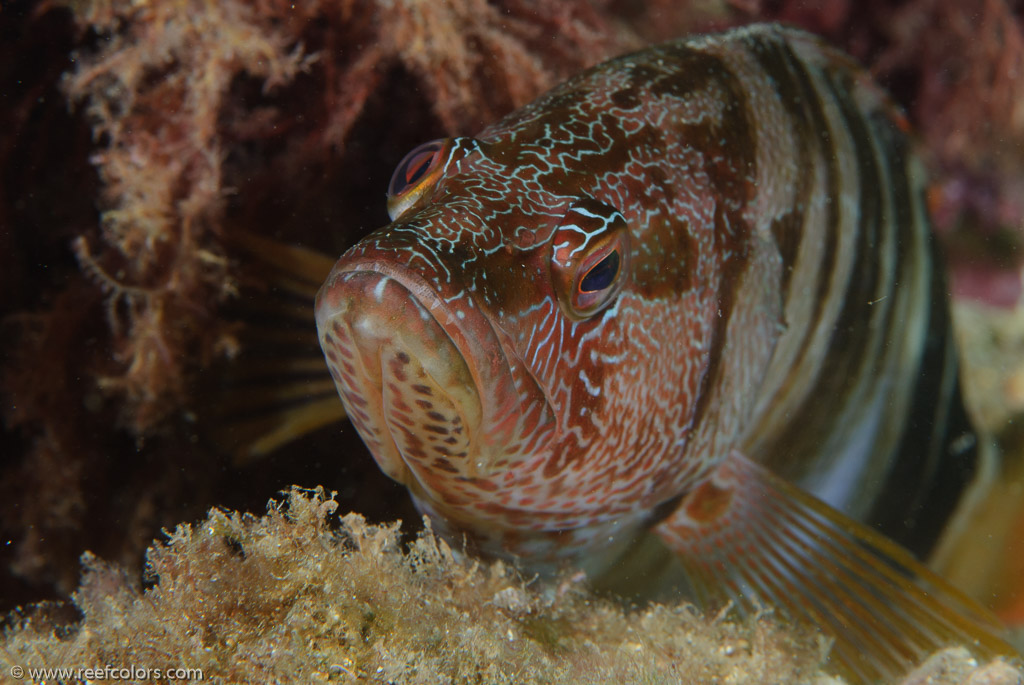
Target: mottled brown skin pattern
{"x":552,"y":436}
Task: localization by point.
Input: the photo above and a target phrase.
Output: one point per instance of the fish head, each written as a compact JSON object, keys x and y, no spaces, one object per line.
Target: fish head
{"x":430,"y":377}
{"x":493,"y":347}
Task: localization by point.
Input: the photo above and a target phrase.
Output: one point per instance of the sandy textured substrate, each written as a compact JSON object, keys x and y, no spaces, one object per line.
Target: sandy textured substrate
{"x":301,"y":595}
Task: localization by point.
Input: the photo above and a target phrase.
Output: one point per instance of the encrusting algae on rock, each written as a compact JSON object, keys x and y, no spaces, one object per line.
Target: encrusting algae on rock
{"x":302,"y":595}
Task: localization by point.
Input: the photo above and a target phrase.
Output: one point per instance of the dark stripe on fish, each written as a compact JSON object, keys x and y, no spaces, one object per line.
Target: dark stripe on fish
{"x":793,"y":86}
{"x":939,"y":451}
{"x":887,"y":249}
{"x":799,"y":95}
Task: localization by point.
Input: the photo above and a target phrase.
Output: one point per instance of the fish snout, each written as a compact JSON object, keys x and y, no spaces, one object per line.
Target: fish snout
{"x":405,"y":383}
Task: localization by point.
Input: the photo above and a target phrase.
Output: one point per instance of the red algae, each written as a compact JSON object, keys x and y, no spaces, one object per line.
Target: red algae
{"x":153,"y":94}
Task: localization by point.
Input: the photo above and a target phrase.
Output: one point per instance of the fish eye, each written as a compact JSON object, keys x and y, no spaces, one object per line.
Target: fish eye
{"x":415,"y":174}
{"x":414,"y":166}
{"x":589,"y":257}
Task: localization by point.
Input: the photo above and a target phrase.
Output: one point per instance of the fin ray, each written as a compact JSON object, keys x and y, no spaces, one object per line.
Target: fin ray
{"x":278,"y":388}
{"x":854,"y":618}
{"x":825,"y":605}
{"x":748,"y":537}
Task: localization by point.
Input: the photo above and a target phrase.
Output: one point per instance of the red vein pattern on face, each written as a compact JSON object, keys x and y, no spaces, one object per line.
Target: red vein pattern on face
{"x":724,"y":158}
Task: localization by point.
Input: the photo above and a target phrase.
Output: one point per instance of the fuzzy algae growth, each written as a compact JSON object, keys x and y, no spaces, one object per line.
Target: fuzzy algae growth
{"x":301,"y":595}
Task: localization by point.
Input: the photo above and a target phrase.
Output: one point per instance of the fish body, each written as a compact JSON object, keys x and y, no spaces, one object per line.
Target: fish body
{"x":657,"y":298}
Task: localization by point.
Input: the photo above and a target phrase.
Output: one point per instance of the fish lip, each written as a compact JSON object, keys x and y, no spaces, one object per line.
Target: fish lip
{"x":420,"y":289}
{"x":418,"y":286}
{"x":473,"y":335}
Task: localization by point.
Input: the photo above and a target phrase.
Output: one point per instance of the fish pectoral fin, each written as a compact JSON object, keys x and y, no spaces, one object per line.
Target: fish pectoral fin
{"x":276,"y":387}
{"x":291,"y":268}
{"x":747,"y":536}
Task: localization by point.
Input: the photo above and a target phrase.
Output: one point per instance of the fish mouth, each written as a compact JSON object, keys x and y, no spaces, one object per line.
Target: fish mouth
{"x":410,"y":368}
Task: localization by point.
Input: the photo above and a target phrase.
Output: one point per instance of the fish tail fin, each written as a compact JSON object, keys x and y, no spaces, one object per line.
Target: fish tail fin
{"x":277,"y":387}
{"x":747,"y":536}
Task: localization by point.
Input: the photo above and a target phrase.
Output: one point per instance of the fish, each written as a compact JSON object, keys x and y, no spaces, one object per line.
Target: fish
{"x":688,"y":295}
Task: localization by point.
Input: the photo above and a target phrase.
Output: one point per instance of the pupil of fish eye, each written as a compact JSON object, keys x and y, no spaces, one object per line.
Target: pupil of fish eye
{"x":602,"y":274}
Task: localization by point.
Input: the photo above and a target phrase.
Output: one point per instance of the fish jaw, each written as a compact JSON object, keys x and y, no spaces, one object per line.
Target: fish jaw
{"x":427,"y":382}
{"x":399,"y":383}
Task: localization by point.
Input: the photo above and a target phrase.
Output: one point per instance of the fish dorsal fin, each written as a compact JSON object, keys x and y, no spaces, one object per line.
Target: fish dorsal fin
{"x":278,"y":387}
{"x":747,"y":536}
